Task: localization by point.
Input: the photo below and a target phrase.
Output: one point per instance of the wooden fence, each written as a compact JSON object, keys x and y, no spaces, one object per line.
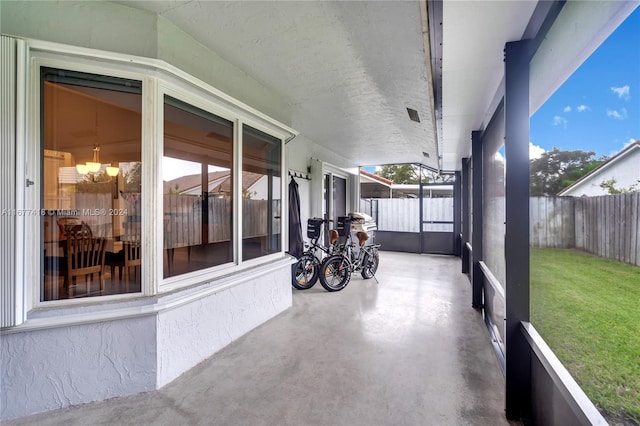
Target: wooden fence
{"x":183,"y":220}
{"x":607,"y":226}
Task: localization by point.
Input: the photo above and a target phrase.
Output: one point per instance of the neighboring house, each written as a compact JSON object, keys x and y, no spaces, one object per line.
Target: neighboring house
{"x":429,"y":190}
{"x":253,"y":185}
{"x":374,"y":186}
{"x":623,"y":169}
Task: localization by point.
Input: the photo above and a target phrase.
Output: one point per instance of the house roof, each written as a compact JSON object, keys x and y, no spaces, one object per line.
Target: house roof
{"x":371,"y":176}
{"x":220,"y":180}
{"x":632,"y":147}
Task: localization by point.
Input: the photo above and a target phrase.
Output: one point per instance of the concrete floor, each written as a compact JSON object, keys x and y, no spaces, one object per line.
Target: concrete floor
{"x":407,"y":351}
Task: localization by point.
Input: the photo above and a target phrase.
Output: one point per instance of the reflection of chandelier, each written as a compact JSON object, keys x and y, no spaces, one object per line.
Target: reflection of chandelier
{"x":94,"y":166}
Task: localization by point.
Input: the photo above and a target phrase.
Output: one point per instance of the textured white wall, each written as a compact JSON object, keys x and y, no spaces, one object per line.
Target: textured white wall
{"x":53,"y":368}
{"x":191,"y":333}
{"x":116,"y":28}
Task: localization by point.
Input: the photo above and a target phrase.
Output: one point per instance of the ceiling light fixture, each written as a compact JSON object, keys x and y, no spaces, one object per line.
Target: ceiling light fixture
{"x":95,"y":165}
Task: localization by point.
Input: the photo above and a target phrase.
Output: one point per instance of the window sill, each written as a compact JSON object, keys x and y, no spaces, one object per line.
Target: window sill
{"x":99,"y":311}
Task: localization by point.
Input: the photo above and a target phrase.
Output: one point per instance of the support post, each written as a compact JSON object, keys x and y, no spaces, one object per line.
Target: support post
{"x":466,"y":217}
{"x":518,"y":353}
{"x":476,"y":243}
{"x":457,"y":215}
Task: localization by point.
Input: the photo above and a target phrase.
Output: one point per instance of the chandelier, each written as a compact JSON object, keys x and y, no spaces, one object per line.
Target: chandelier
{"x":95,"y":165}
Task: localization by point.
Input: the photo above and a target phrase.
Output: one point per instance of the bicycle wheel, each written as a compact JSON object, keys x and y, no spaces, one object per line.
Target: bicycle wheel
{"x":335,"y":273}
{"x":370,"y":265}
{"x":304,"y":273}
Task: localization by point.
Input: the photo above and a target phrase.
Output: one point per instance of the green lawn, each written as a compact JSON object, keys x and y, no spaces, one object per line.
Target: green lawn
{"x":587,"y":309}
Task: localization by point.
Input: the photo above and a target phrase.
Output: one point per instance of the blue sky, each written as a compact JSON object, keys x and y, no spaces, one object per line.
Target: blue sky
{"x":598,"y":107}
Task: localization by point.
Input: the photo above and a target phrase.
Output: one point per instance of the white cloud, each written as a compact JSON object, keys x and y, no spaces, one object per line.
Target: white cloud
{"x":567,"y":109}
{"x":535,"y":151}
{"x":559,"y":121}
{"x":622,"y":92}
{"x":618,"y":115}
{"x":582,"y":108}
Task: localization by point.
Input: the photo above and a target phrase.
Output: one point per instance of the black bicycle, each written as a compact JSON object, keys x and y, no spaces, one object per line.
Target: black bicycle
{"x":306,"y":270}
{"x":336,"y":269}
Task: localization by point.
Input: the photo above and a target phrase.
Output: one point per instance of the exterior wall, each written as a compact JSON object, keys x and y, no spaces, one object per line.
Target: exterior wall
{"x":302,"y":153}
{"x":625,"y":171}
{"x":179,"y":49}
{"x":189,"y":334}
{"x":53,"y":368}
{"x":115,"y":28}
{"x":97,"y":25}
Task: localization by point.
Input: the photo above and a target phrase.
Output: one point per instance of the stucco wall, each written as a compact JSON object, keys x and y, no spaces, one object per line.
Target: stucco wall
{"x":189,"y":334}
{"x":116,"y":28}
{"x":97,"y":25}
{"x":53,"y":368}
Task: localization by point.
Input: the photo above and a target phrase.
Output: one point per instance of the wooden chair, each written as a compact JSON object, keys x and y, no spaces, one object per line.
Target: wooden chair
{"x":85,"y":257}
{"x":129,"y":257}
{"x":65,"y":224}
{"x":132,"y":259}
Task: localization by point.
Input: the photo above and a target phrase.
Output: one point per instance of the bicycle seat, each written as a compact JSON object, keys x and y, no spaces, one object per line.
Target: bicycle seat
{"x":333,"y":236}
{"x":362,"y":237}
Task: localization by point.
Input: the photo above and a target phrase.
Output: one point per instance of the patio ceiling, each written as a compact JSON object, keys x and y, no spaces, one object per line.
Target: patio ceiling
{"x":351,"y":69}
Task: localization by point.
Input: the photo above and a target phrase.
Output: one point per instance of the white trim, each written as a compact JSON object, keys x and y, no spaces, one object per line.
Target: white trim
{"x":151,"y":174}
{"x":21,"y":105}
{"x":34,"y":148}
{"x":352,"y":186}
{"x":162,"y":303}
{"x":237,"y":189}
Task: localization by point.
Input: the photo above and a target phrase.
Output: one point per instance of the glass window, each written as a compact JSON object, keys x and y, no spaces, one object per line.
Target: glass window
{"x":261,"y":195}
{"x":197,"y":189}
{"x":91,"y":191}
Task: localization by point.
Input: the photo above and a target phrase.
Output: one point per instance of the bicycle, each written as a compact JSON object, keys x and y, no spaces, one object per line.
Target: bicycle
{"x":305,"y":270}
{"x":337,"y":268}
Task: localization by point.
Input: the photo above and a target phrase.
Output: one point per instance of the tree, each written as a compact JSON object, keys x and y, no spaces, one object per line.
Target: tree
{"x":410,"y":174}
{"x":555,"y":170}
{"x":610,"y":186}
{"x":133,"y":177}
{"x":400,"y":173}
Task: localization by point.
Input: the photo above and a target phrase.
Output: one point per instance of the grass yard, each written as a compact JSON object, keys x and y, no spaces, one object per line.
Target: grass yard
{"x":588,"y":311}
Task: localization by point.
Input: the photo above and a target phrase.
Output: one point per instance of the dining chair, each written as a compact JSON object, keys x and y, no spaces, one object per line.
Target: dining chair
{"x":132,"y":259}
{"x":85,"y":258}
{"x":66,"y":223}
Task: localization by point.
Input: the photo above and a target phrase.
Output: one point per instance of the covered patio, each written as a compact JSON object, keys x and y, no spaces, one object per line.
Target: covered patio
{"x":309,"y":89}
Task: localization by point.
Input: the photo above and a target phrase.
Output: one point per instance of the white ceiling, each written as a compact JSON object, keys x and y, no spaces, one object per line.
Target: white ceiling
{"x":350,"y":69}
{"x":474,"y":35}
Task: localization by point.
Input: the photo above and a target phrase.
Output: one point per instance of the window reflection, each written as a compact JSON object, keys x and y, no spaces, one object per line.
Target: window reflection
{"x":197,"y":189}
{"x":91,"y":188}
{"x":261,"y":198}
